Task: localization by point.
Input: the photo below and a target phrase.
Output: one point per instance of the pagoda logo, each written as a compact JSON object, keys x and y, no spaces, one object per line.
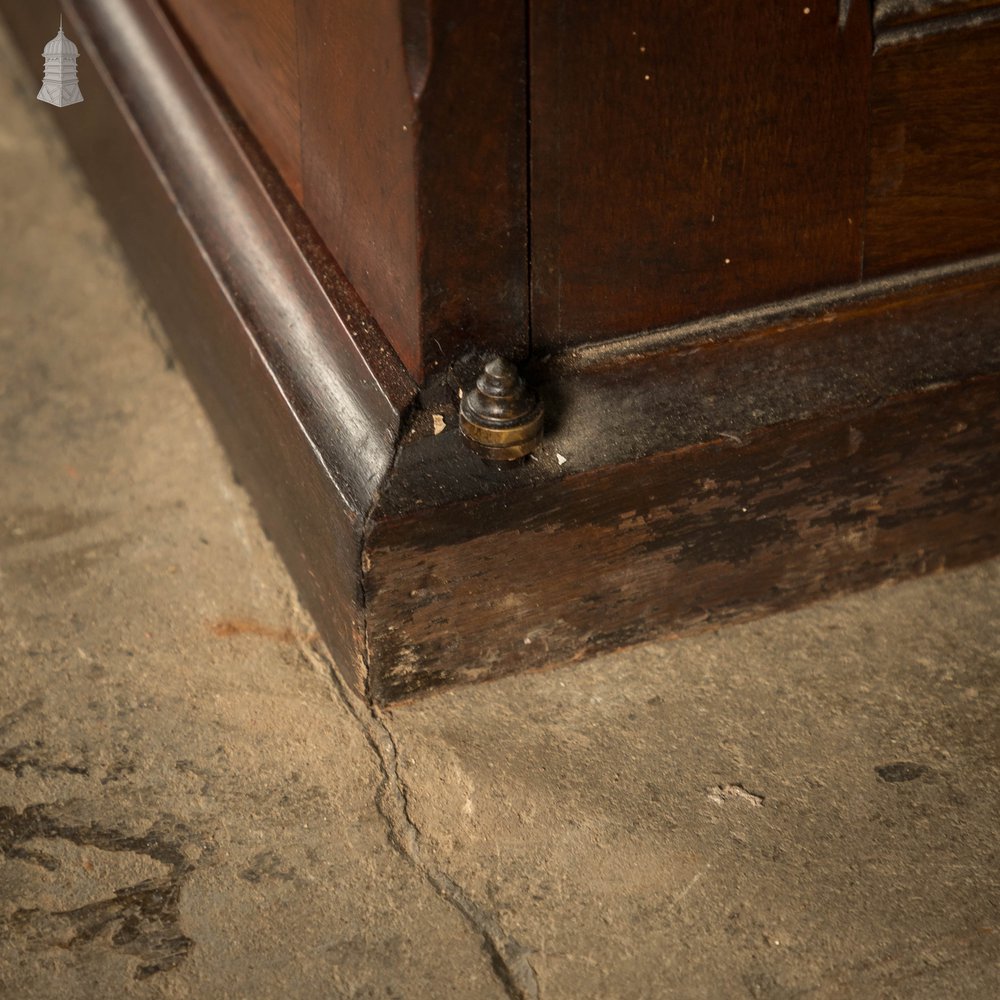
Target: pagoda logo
{"x":60,"y":86}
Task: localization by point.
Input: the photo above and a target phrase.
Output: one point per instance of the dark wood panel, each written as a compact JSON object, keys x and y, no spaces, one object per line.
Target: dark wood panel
{"x":414,"y":159}
{"x":691,"y":158}
{"x":609,"y":404}
{"x":474,"y":180}
{"x":251,"y":48}
{"x":359,"y":157}
{"x":934,"y":189}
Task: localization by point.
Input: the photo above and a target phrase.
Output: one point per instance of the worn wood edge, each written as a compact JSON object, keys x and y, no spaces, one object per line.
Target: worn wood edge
{"x":267,"y":101}
{"x":302,"y":389}
{"x":369,"y":341}
{"x":296,"y":322}
{"x":553,"y":576}
{"x":714,"y":329}
{"x":905,"y":33}
{"x":888,"y":13}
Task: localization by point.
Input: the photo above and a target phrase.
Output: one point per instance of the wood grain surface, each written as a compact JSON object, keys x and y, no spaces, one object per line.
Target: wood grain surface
{"x":401,"y":128}
{"x":691,"y":158}
{"x":699,"y":482}
{"x":688,"y":540}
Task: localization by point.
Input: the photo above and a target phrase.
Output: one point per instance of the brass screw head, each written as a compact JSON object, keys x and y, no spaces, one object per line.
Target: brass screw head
{"x":501,"y":419}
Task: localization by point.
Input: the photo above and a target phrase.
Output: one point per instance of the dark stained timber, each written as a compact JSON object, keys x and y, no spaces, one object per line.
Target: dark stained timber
{"x":934,"y":181}
{"x":414,"y":146}
{"x":685,"y":540}
{"x":252,"y":45}
{"x":703,"y":482}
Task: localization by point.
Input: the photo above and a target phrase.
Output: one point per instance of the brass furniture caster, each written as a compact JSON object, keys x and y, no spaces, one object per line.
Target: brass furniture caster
{"x":501,"y":419}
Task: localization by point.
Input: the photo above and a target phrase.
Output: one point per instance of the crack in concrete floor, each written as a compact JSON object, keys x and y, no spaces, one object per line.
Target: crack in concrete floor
{"x":509,"y":958}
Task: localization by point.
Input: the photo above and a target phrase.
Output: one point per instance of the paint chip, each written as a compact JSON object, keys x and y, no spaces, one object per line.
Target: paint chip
{"x":438,"y":423}
{"x":561,"y":459}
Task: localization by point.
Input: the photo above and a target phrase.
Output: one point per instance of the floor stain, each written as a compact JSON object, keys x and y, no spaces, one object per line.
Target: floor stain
{"x":142,"y":920}
{"x":267,"y":865}
{"x":226,"y":628}
{"x":24,"y":756}
{"x":901,"y":770}
{"x":20,"y":526}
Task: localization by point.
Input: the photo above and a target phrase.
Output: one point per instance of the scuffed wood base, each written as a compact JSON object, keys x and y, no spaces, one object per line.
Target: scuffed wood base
{"x":688,"y":478}
{"x":684,"y":540}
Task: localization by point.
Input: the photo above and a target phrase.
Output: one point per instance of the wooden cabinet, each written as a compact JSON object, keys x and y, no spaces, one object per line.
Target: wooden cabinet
{"x":748,"y":255}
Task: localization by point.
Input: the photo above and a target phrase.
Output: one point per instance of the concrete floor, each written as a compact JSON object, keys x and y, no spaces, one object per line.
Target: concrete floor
{"x":191,"y":806}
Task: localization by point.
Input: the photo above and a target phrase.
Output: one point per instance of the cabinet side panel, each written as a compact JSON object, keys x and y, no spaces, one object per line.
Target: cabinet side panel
{"x":250,"y":47}
{"x":415,"y":166}
{"x":359,"y":135}
{"x":473,"y":180}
